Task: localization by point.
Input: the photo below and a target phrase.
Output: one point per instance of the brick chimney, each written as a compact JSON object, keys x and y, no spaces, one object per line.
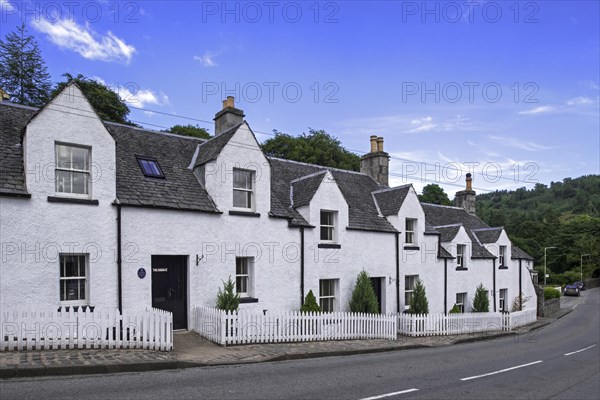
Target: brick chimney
{"x":376,"y":163}
{"x":466,"y":198}
{"x":228,"y":117}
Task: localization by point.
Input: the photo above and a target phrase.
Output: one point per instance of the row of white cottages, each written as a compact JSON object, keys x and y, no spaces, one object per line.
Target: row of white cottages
{"x":112,"y":216}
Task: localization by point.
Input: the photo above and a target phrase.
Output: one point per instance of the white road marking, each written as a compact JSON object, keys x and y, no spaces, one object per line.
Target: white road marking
{"x":381,"y":396}
{"x":500,"y":371}
{"x":580,"y":350}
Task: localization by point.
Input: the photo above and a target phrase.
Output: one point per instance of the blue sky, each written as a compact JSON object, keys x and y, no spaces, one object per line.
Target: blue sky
{"x":509,"y":90}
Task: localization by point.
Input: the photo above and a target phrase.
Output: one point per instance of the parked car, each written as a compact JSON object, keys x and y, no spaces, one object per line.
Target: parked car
{"x":572,"y":290}
{"x":580,"y":285}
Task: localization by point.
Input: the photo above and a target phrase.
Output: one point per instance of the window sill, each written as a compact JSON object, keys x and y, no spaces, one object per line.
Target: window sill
{"x":462,"y":269}
{"x":409,"y":247}
{"x":329,"y":246}
{"x":503,"y":267}
{"x":244,"y":213}
{"x":72,"y":200}
{"x":244,"y":300}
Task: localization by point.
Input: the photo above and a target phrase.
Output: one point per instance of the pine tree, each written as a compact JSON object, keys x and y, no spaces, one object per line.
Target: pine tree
{"x":310,"y":303}
{"x":23,"y":73}
{"x":364,"y":299}
{"x":481,"y":302}
{"x":227,"y":299}
{"x":419,"y":305}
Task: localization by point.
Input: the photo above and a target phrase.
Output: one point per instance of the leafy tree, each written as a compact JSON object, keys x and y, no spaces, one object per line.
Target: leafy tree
{"x":318,"y":147}
{"x":455,"y":309}
{"x":419,"y":305}
{"x":310,"y":303}
{"x":519,"y":302}
{"x":189,"y":130}
{"x":23,"y":73}
{"x":364,"y":299}
{"x":481,"y":302}
{"x":434,"y":194}
{"x":108,"y":104}
{"x":227,"y":299}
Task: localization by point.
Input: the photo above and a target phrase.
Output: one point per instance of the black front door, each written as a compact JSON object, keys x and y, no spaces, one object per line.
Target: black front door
{"x":376,"y":282}
{"x":169,"y":287}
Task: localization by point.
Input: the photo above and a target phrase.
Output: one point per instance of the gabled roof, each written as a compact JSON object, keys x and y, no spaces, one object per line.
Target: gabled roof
{"x":390,"y":200}
{"x":13,"y":120}
{"x":448,"y":232}
{"x":443,"y":253}
{"x":488,"y":235}
{"x":179,"y":189}
{"x":437,"y":215}
{"x":355,"y":187}
{"x":516,"y":253}
{"x":303,"y":189}
{"x":210,"y":149}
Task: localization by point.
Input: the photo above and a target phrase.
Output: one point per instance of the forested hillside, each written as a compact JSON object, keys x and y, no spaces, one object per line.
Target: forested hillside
{"x":565,"y":215}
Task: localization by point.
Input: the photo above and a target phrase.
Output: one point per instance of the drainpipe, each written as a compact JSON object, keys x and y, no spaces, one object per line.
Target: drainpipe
{"x":119,"y":258}
{"x":520,"y":285}
{"x":301,"y":266}
{"x":494,"y":277}
{"x":397,"y":235}
{"x":445,"y":286}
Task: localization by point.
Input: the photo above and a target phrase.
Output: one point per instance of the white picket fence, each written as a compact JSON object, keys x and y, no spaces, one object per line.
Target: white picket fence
{"x":251,"y":327}
{"x":455,"y":324}
{"x":37,"y":328}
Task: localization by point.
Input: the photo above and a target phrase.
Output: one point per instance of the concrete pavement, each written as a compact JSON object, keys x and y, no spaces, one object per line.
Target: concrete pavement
{"x":191,"y":350}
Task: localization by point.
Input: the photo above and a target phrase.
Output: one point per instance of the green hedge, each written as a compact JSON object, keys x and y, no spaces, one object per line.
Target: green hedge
{"x":551,"y":293}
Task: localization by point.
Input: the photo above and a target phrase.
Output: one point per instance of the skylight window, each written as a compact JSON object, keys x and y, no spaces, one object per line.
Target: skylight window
{"x":150,"y":167}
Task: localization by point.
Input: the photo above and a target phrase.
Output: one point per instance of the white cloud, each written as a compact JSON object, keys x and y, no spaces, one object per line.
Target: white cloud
{"x":208,"y":59}
{"x":67,"y":34}
{"x":5,"y":6}
{"x":578,"y":101}
{"x":519,"y":144}
{"x":538,"y":110}
{"x":135,"y":97}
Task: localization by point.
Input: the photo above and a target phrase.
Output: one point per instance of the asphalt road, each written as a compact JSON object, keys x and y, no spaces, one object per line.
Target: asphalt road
{"x":559,"y":361}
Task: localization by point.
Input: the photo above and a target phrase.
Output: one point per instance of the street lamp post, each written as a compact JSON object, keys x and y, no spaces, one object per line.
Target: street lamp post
{"x":581,"y":265}
{"x":546,"y":248}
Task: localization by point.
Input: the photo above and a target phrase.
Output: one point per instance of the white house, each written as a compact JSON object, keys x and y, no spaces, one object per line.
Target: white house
{"x":106,"y":215}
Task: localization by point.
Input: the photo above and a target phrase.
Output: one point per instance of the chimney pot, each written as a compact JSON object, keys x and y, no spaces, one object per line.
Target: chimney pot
{"x":373,"y":143}
{"x":380,"y":143}
{"x":469,"y":182}
{"x":228,"y":117}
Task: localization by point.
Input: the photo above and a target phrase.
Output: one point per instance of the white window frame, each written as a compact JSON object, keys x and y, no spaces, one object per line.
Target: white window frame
{"x":460,"y":255}
{"x":461,"y":304}
{"x":503,"y":293}
{"x":63,"y":278}
{"x":86,"y":171}
{"x":502,"y":256}
{"x":410,"y":233}
{"x":330,"y":298}
{"x":248,"y":262}
{"x":409,"y":287}
{"x":244,"y":189}
{"x":330,"y":227}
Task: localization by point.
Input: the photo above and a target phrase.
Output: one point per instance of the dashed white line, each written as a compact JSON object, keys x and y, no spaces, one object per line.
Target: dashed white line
{"x":580,"y":350}
{"x":500,"y":371}
{"x":381,"y":396}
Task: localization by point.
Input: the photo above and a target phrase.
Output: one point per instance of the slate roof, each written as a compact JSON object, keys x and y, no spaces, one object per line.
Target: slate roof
{"x":390,"y":200}
{"x":488,"y":235}
{"x":179,"y":190}
{"x":443,"y":253}
{"x":304,"y":189}
{"x":437,"y":215}
{"x":355,"y":187}
{"x":13,"y":119}
{"x":516,"y":253}
{"x":448,"y":233}
{"x":210,"y":149}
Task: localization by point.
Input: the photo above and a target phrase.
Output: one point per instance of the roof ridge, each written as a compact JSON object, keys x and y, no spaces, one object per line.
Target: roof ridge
{"x":137,"y":128}
{"x":228,"y":131}
{"x":324,"y":171}
{"x":392,"y":188}
{"x":491,"y":228}
{"x":317,"y":166}
{"x":440,"y":205}
{"x":11,"y":104}
{"x":447,"y":226}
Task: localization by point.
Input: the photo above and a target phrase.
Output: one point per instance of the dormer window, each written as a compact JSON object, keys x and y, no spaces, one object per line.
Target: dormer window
{"x":410,"y":231}
{"x":243,"y":188}
{"x":502,"y":255}
{"x":328,"y":226}
{"x":460,"y":256}
{"x":150,"y":167}
{"x":72,"y":173}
